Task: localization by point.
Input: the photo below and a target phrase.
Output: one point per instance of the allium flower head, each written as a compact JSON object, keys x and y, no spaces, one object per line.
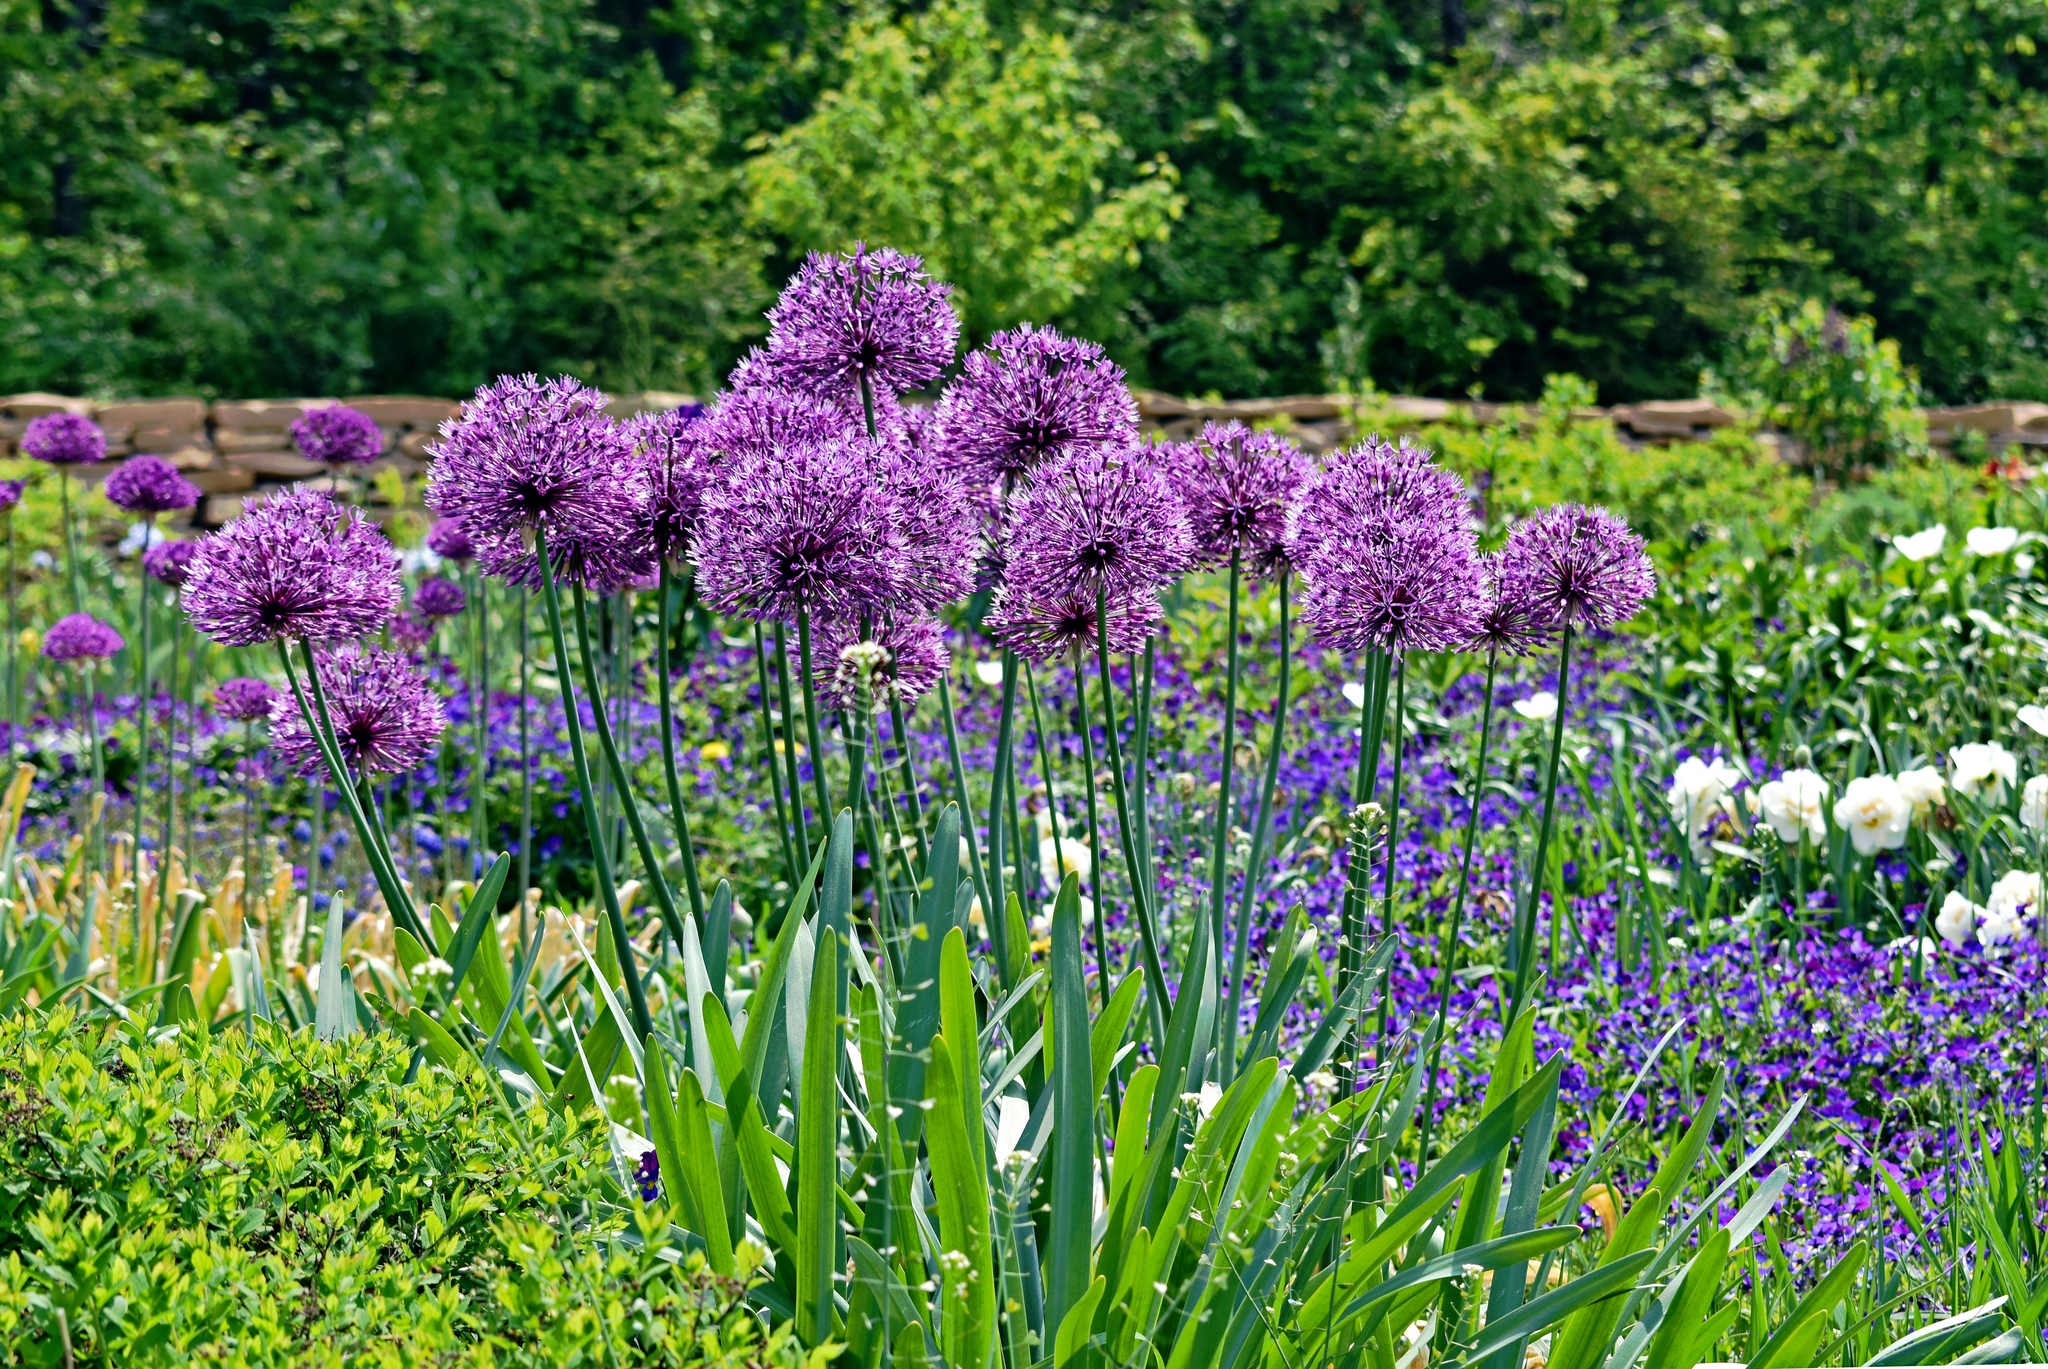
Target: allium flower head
{"x":64,"y":440}
{"x":10,"y":493}
{"x":1046,"y":630}
{"x":528,"y":456}
{"x":678,"y":463}
{"x":1585,"y":567}
{"x":1239,"y":487}
{"x":1031,"y":395}
{"x":901,"y":661}
{"x":1509,"y":618}
{"x":802,"y":529}
{"x":934,"y":527}
{"x":170,"y":563}
{"x":1096,"y":522}
{"x":297,"y":565}
{"x":872,"y":315}
{"x":386,"y":718}
{"x":243,"y":699}
{"x":338,"y":436}
{"x":410,"y":631}
{"x":81,"y":637}
{"x":447,"y":540}
{"x":439,"y":598}
{"x":150,"y":484}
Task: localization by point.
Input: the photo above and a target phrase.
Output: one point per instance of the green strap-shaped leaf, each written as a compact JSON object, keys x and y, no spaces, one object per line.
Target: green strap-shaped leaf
{"x":334,"y":1010}
{"x":1794,"y":1341}
{"x":963,"y":1035}
{"x":917,"y":1014}
{"x":1073,"y":1121}
{"x":967,"y":1276}
{"x":817,"y":1149}
{"x":1531,"y":1318}
{"x":443,"y":1049}
{"x":1108,"y":1034}
{"x":700,"y":1170}
{"x":488,"y":989}
{"x":1679,"y":1340}
{"x":1075,"y":1325}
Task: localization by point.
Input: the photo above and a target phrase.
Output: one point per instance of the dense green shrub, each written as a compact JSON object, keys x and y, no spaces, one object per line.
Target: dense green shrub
{"x":269,"y":1199}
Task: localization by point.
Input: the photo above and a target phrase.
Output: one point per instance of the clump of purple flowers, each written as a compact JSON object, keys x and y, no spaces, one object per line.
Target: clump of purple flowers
{"x":386,"y":718}
{"x":338,"y":436}
{"x":1511,"y":618}
{"x":244,"y":699}
{"x":10,"y":493}
{"x":872,"y":319}
{"x":1096,"y":523}
{"x":679,"y":472}
{"x":298,"y":566}
{"x":81,"y":637}
{"x":1239,"y":488}
{"x":447,"y":540}
{"x":1033,"y":394}
{"x":1583,"y":567}
{"x":64,"y":440}
{"x":170,"y":563}
{"x":150,"y":485}
{"x":439,"y":598}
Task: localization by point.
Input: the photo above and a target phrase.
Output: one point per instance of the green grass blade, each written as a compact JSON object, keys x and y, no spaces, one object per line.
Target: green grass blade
{"x":817,"y":1152}
{"x":1072,"y":1173}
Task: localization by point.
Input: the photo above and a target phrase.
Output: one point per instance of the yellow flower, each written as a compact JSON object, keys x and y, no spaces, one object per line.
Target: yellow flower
{"x":31,"y":641}
{"x":714,"y":751}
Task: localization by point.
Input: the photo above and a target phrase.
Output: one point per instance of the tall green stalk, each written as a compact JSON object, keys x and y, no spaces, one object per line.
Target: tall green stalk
{"x":1141,"y":896}
{"x":525,"y":756}
{"x":1358,"y":871}
{"x":1241,"y":953}
{"x":795,"y":783}
{"x":981,"y":884}
{"x":1095,"y":846}
{"x":13,"y":650}
{"x":1219,"y":846}
{"x":142,"y":616}
{"x":480,"y":707}
{"x":643,"y":1022}
{"x":170,"y":808}
{"x":812,"y":734}
{"x":1393,"y":818}
{"x":679,"y":819}
{"x":1006,"y":722}
{"x":1525,"y":931}
{"x":70,"y":543}
{"x":782,"y":825}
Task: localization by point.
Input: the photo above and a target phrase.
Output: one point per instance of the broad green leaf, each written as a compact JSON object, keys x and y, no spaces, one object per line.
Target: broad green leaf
{"x":1110,"y":1025}
{"x":1072,"y":1174}
{"x":1679,"y":1340}
{"x":817,"y":1149}
{"x":1076,"y":1325}
{"x":967,"y":1276}
{"x":962,"y":1029}
{"x":1530,"y":1319}
{"x":334,"y":1010}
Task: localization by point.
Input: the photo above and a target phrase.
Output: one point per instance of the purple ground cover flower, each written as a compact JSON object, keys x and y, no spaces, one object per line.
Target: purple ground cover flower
{"x":170,"y":563}
{"x":1096,"y":522}
{"x":244,"y":699}
{"x":10,"y":493}
{"x":1056,"y":628}
{"x":338,"y":436}
{"x":903,"y":660}
{"x":80,"y":637}
{"x":873,"y":316}
{"x":673,"y":446}
{"x":297,"y":565}
{"x":1584,"y":567}
{"x":1030,"y":395}
{"x":1239,"y":488}
{"x":64,"y":440}
{"x":150,"y":484}
{"x":386,"y":717}
{"x":447,"y":540}
{"x":439,"y":598}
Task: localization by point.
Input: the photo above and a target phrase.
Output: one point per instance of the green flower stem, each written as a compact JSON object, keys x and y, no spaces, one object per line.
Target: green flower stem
{"x":70,"y":543}
{"x":998,"y":927}
{"x":678,"y":817}
{"x":1358,"y":872}
{"x":813,"y":737}
{"x":248,"y":825}
{"x":13,"y":650}
{"x":853,"y":734}
{"x":796,"y":788}
{"x":981,"y":886}
{"x":1095,"y":848}
{"x":664,"y":897}
{"x":163,"y":865}
{"x":1524,"y":967}
{"x":480,"y":704}
{"x":443,"y":763}
{"x":1393,"y":819}
{"x":643,"y":1023}
{"x":1141,"y":764}
{"x":1141,"y":896}
{"x":1052,"y":806}
{"x":1219,"y":846}
{"x":1450,"y":944}
{"x":1241,"y":953}
{"x":782,"y":828}
{"x":525,"y":756}
{"x":142,"y":617}
{"x":99,"y":769}
{"x":903,"y":763}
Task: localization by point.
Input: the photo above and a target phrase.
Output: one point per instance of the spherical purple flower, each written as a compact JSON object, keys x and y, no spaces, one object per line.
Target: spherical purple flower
{"x":1033,"y":394}
{"x":679,"y":472}
{"x":438,"y":598}
{"x":64,"y":440}
{"x":81,"y":637}
{"x":902,"y":660}
{"x":1239,"y":487}
{"x":386,"y":717}
{"x":411,"y":632}
{"x":10,"y":493}
{"x":1096,"y":521}
{"x":761,"y":413}
{"x":1584,"y":568}
{"x":243,"y":699}
{"x":874,"y":315}
{"x":170,"y":563}
{"x":297,"y":565}
{"x":150,"y":484}
{"x":1510,"y":618}
{"x":800,"y":530}
{"x":447,"y":540}
{"x":338,"y":436}
{"x":935,"y":529}
{"x":1061,"y":627}
{"x":529,"y":457}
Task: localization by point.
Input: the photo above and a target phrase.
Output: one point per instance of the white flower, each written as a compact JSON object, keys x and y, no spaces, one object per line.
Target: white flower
{"x":1539,"y":707}
{"x":1875,"y":812}
{"x":1354,"y":693}
{"x":2034,"y":804}
{"x":1922,"y":545}
{"x":989,"y":672}
{"x":1795,"y":803}
{"x":1957,"y":919}
{"x":1077,"y":858}
{"x":1991,"y":541}
{"x":1923,"y":788}
{"x":1699,"y":795}
{"x":1983,"y":769}
{"x":2035,"y":717}
{"x":140,"y":535}
{"x":2014,"y":896}
{"x":1012,"y":1115}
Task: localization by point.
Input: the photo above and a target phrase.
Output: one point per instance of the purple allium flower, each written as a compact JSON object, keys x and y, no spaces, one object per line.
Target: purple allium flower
{"x":1584,"y":567}
{"x":297,"y":565}
{"x":1045,"y":630}
{"x":1510,"y":619}
{"x":447,"y":540}
{"x":1238,"y":487}
{"x":759,"y":413}
{"x":1031,"y":395}
{"x":527,"y":456}
{"x":874,"y":315}
{"x":1096,"y":521}
{"x":150,"y":484}
{"x":338,"y":436}
{"x":64,"y":440}
{"x":10,"y":493}
{"x":243,"y":699}
{"x":935,"y":528}
{"x":170,"y":563}
{"x":903,"y":660}
{"x":679,"y":472}
{"x":386,"y":718}
{"x":411,"y":632}
{"x":438,"y":598}
{"x":81,"y":637}
{"x":802,"y":529}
